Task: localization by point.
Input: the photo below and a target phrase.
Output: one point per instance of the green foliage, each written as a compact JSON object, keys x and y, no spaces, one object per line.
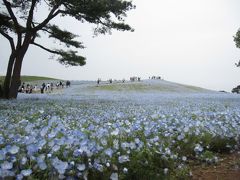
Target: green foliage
{"x":148,"y":165}
{"x":70,"y":58}
{"x":236,"y":89}
{"x":208,"y":157}
{"x":237,"y":39}
{"x":2,"y":79}
{"x":5,"y":23}
{"x":182,"y":173}
{"x":237,"y":42}
{"x":222,"y":144}
{"x":64,"y":36}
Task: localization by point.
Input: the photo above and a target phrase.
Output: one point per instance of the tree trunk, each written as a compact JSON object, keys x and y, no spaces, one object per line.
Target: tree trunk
{"x":16,"y":75}
{"x":7,"y":80}
{"x":13,"y":81}
{"x":1,"y":91}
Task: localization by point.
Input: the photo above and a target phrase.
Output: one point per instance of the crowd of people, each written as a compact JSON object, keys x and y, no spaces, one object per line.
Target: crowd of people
{"x":155,"y":77}
{"x":131,"y":79}
{"x":44,"y":88}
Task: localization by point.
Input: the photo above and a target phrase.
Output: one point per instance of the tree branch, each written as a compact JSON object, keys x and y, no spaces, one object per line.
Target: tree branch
{"x":30,"y":15}
{"x":46,"y":49}
{"x":10,"y":39}
{"x":237,"y":64}
{"x":46,"y":30}
{"x":13,"y":17}
{"x":51,"y":15}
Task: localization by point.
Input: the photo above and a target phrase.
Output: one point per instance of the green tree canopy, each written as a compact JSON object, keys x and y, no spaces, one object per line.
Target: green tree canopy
{"x":21,"y":27}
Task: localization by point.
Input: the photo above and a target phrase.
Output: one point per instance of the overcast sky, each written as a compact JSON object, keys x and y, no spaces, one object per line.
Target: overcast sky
{"x":184,"y":41}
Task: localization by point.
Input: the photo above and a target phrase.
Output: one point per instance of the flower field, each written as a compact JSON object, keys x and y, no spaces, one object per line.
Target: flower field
{"x":143,"y":137}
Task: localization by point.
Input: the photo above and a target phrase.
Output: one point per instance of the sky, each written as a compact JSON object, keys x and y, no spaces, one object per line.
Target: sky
{"x":183,"y":41}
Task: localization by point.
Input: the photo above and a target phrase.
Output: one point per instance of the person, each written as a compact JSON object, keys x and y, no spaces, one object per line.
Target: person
{"x":42,"y":88}
{"x":98,"y":81}
{"x":68,"y":84}
{"x":35,"y":88}
{"x":31,"y":89}
{"x":28,"y":88}
{"x":23,"y":87}
{"x":51,"y":87}
{"x":48,"y":87}
{"x":61,"y":84}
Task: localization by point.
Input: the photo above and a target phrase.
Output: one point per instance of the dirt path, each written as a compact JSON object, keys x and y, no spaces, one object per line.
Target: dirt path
{"x":227,"y":169}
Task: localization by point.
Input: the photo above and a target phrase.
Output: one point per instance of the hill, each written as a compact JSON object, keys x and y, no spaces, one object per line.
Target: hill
{"x":149,"y":85}
{"x":30,"y":78}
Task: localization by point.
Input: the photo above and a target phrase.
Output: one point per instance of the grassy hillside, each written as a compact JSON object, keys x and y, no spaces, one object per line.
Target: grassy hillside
{"x":149,"y":85}
{"x":30,"y":78}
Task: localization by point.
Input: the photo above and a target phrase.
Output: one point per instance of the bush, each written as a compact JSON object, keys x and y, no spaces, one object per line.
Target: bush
{"x":222,"y":144}
{"x":236,"y":90}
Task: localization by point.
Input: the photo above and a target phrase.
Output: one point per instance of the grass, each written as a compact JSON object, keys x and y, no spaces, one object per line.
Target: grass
{"x":29,"y":78}
{"x":35,"y":78}
{"x":144,"y":87}
{"x":138,"y":87}
{"x":121,"y":87}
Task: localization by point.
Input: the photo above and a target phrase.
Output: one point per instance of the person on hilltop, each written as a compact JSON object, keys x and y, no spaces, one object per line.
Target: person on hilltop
{"x":98,"y":81}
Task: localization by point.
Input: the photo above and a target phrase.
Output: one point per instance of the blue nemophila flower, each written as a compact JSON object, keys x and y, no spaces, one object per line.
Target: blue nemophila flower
{"x":41,"y":162}
{"x":26,"y":172}
{"x":184,"y":158}
{"x":108,"y":164}
{"x":125,"y":170}
{"x":6,"y":173}
{"x":198,"y":148}
{"x":81,"y":167}
{"x":23,"y":160}
{"x":32,"y":149}
{"x":123,"y":158}
{"x":165,"y":170}
{"x":2,"y":155}
{"x":114,"y":176}
{"x":98,"y":166}
{"x":19,"y":177}
{"x":59,"y":165}
{"x":115,"y":132}
{"x":109,"y":152}
{"x":44,"y":131}
{"x":108,"y":131}
{"x":7,"y":165}
{"x":2,"y":140}
{"x":55,"y":148}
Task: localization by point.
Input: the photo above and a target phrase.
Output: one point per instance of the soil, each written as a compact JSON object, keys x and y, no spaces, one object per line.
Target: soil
{"x":228,"y":168}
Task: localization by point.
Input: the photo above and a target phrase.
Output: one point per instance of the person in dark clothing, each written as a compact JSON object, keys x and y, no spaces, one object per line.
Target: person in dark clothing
{"x":68,"y":84}
{"x":42,"y":88}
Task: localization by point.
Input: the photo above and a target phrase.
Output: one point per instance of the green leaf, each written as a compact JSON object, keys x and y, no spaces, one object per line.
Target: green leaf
{"x":70,"y":58}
